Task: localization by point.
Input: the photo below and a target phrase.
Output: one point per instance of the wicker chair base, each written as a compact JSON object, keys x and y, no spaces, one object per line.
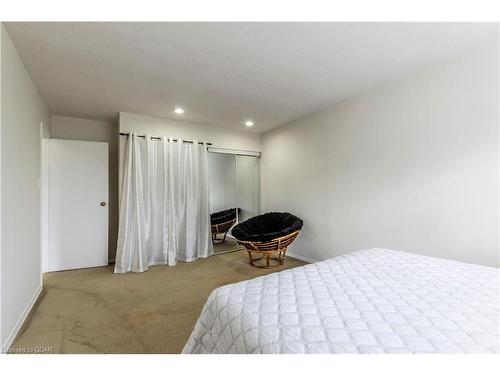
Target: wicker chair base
{"x":272,"y":252}
{"x":271,"y":259}
{"x":217,"y":240}
{"x":221,"y":228}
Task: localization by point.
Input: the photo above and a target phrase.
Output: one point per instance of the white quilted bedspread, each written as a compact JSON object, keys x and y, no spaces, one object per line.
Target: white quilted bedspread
{"x":367,"y":301}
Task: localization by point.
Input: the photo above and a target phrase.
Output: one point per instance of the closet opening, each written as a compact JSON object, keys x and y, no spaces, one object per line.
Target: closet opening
{"x":234,"y":185}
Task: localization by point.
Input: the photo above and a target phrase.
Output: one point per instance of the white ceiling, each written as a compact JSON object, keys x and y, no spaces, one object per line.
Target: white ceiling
{"x":225,"y":73}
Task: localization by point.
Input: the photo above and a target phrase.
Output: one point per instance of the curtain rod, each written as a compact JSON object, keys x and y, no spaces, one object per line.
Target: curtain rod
{"x":158,"y":138}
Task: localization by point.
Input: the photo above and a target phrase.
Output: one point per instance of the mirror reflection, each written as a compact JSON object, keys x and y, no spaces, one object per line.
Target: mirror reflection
{"x":234,"y":182}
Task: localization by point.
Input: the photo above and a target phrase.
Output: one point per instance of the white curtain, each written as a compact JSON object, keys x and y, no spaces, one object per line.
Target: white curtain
{"x":164,"y":209}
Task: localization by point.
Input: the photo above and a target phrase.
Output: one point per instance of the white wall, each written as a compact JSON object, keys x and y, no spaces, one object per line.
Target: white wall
{"x":22,"y":112}
{"x":78,"y":129}
{"x":412,"y":165}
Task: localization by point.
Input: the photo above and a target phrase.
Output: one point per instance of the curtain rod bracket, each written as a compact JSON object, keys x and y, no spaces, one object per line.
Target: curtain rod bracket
{"x":173,"y":140}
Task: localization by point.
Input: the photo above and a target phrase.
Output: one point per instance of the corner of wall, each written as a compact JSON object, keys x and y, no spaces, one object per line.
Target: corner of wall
{"x":22,"y":112}
{"x":20,"y":322}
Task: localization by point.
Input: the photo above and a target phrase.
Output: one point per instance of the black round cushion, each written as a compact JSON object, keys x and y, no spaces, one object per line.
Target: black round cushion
{"x":267,"y":227}
{"x":223,"y":216}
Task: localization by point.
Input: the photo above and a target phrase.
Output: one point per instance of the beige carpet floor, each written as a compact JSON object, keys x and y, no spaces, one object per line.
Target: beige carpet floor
{"x":95,"y":311}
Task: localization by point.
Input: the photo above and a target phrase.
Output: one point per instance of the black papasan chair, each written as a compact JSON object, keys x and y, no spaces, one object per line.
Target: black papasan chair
{"x":270,"y":235}
{"x":221,"y":222}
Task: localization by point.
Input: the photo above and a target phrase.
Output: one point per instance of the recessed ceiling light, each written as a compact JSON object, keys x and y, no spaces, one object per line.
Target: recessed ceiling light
{"x":249,"y":123}
{"x":179,"y":110}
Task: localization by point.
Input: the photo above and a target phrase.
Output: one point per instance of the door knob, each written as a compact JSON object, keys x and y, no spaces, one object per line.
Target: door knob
{"x":103,"y":204}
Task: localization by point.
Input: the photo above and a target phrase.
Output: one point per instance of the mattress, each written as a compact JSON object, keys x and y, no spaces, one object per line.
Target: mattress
{"x":367,"y":301}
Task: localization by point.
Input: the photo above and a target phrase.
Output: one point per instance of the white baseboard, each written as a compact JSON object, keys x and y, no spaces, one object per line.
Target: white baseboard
{"x":300,"y":257}
{"x":13,"y":334}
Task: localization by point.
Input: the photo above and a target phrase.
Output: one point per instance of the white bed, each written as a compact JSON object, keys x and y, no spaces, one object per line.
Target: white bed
{"x":367,"y":301}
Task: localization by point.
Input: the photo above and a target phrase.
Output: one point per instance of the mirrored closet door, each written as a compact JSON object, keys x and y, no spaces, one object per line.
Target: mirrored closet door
{"x":234,"y":184}
{"x":248,"y":186}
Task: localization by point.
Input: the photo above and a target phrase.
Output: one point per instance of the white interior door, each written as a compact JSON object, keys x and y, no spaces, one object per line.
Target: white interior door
{"x":78,"y":204}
